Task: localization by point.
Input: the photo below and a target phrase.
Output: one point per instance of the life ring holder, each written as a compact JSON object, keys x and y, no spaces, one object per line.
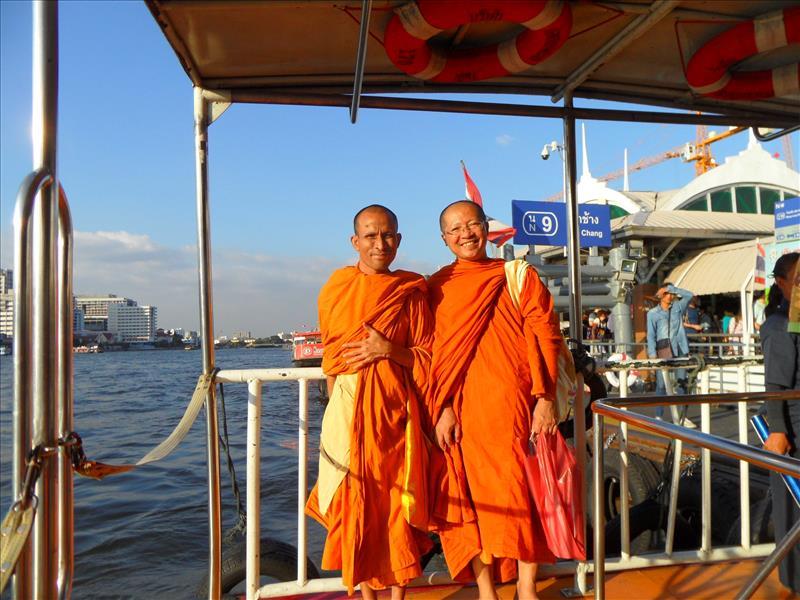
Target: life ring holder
{"x":709,"y":70}
{"x":547,"y":26}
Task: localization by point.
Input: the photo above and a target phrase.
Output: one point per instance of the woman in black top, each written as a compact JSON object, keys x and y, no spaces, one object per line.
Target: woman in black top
{"x":782,"y":372}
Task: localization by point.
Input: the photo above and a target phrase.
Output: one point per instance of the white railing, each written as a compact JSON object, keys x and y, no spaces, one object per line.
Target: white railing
{"x":255,"y":378}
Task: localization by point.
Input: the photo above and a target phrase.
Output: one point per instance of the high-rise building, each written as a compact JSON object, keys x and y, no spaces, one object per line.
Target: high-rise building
{"x":95,"y":309}
{"x":6,"y":281}
{"x":6,"y":302}
{"x":78,"y":323}
{"x":133,"y":323}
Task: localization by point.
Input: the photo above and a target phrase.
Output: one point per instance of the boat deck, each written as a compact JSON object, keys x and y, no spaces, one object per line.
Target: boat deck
{"x":716,"y":581}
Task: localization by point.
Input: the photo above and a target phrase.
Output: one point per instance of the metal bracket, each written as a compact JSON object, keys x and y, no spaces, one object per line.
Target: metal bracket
{"x":218,"y":101}
{"x":773,"y":135}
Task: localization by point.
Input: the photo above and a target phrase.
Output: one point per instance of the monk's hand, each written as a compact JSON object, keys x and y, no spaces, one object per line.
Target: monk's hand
{"x":448,"y":431}
{"x":364,"y":352}
{"x":778,"y":443}
{"x":544,"y":416}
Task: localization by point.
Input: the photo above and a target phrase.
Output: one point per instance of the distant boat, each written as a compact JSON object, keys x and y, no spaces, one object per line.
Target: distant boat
{"x":306,"y":348}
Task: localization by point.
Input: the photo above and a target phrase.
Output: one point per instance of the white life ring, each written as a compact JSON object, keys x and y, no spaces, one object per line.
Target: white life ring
{"x":613,"y":379}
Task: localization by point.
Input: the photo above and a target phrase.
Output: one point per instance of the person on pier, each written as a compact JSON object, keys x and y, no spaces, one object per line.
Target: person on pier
{"x":493,"y":381}
{"x":371,"y":491}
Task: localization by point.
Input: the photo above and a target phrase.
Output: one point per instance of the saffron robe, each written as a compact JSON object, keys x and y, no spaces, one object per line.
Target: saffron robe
{"x":381,"y":494}
{"x":490,"y":360}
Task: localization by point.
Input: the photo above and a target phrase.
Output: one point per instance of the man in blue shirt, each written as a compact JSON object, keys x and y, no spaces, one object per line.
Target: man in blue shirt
{"x":665,"y":322}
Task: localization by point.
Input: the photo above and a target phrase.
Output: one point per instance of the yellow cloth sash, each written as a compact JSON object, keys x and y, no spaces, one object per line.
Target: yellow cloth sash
{"x":334,"y":443}
{"x":566,"y":385}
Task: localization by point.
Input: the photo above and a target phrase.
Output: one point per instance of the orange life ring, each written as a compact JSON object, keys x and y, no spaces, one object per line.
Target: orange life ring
{"x":709,"y":70}
{"x":547,"y":26}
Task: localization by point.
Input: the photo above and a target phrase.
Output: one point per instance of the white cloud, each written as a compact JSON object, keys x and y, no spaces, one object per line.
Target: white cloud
{"x":504,"y":139}
{"x":253,"y":292}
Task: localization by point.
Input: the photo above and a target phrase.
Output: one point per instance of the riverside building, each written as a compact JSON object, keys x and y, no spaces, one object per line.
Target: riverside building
{"x":96,"y":309}
{"x":7,"y":302}
{"x":133,"y":323}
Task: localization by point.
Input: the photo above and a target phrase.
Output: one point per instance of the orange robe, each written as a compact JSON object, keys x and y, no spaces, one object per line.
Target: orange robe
{"x":490,"y":360}
{"x":370,"y":537}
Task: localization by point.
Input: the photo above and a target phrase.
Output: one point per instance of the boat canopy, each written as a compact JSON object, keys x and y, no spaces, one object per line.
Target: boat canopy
{"x":305,"y":52}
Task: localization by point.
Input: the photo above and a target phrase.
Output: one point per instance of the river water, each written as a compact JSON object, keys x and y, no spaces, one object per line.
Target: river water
{"x":143,"y":534}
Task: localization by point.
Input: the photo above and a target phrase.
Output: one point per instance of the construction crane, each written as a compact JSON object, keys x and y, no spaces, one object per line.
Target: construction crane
{"x":698,"y":152}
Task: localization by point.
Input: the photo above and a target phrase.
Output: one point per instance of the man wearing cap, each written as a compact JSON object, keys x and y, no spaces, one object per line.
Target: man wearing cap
{"x":666,"y":336}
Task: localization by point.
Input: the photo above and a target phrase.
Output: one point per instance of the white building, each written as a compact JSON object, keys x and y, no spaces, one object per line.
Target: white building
{"x":6,"y":302}
{"x":7,"y":314}
{"x":133,"y":323}
{"x":6,"y":281}
{"x":95,"y":309}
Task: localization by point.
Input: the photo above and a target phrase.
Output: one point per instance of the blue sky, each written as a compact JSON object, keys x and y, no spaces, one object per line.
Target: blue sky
{"x":285,"y":181}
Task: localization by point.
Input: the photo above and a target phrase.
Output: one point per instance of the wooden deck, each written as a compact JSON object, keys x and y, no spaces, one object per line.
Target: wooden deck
{"x":696,"y":582}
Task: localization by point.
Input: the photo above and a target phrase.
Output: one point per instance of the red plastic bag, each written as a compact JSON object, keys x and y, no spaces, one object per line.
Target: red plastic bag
{"x":554,"y":482}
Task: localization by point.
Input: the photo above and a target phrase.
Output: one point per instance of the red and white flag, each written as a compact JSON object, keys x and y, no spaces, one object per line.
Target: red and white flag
{"x":499,"y":233}
{"x":472,"y":192}
{"x":760,"y":274}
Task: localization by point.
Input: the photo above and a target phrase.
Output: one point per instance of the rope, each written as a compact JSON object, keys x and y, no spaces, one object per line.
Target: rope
{"x":241,"y":523}
{"x":98,"y":470}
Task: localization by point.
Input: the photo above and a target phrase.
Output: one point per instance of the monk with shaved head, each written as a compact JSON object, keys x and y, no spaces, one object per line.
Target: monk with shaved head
{"x":371,"y":493}
{"x":493,"y":380}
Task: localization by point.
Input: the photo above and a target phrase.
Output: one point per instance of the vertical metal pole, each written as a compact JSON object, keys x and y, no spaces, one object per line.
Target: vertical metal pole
{"x":599,"y":515}
{"x":201,"y":121}
{"x":581,"y":568}
{"x":253,"y":542}
{"x":23,"y":356}
{"x":625,"y":504}
{"x":744,"y":466}
{"x":573,"y":242}
{"x":673,"y":497}
{"x":65,"y":426}
{"x":302,"y":483}
{"x":45,"y":296}
{"x":705,"y":456}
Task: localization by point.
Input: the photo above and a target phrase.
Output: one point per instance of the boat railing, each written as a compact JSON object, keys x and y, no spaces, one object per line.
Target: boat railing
{"x":618,"y":409}
{"x":256,"y":378}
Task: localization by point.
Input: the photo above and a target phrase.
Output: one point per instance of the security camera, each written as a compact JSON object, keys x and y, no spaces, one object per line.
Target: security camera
{"x":546,"y":152}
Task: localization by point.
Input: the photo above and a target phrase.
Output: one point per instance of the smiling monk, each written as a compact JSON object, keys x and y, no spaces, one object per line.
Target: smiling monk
{"x":371,"y":491}
{"x":493,"y":379}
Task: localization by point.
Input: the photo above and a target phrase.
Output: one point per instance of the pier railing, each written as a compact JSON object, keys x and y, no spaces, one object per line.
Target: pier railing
{"x":256,"y":378}
{"x":617,"y":409}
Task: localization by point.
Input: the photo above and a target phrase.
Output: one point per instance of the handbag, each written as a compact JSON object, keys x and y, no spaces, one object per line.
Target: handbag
{"x":554,"y":482}
{"x":664,"y":348}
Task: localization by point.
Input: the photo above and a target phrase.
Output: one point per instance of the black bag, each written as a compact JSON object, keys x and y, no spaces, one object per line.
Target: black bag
{"x":664,"y":348}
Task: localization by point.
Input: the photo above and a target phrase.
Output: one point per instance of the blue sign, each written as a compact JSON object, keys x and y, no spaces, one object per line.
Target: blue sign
{"x":545,"y":223}
{"x":787,"y":220}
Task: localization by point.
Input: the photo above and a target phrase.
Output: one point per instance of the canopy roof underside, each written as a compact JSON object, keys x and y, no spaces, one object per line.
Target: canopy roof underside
{"x":310,"y":47}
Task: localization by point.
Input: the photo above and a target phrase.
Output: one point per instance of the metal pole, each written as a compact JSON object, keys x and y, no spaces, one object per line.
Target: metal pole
{"x":23,"y":355}
{"x":302,"y":483}
{"x":673,"y":497}
{"x":201,"y":120}
{"x":253,"y":542}
{"x":705,"y":482}
{"x":66,"y":544}
{"x":789,"y":541}
{"x":573,"y":243}
{"x":744,"y":466}
{"x":625,"y":505}
{"x":45,"y":296}
{"x":599,"y":515}
{"x":361,"y":55}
